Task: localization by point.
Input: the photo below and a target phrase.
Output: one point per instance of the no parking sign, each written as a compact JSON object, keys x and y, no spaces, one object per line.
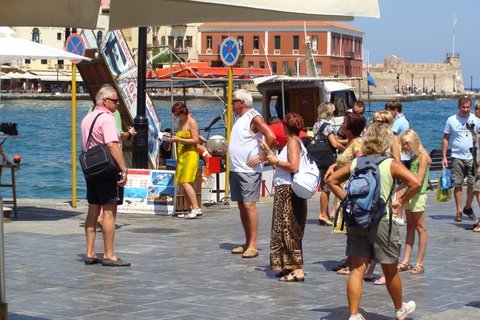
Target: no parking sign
{"x":75,"y":45}
{"x":229,"y":51}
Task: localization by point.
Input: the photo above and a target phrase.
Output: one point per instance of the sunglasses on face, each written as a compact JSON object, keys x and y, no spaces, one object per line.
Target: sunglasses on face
{"x":116,"y":101}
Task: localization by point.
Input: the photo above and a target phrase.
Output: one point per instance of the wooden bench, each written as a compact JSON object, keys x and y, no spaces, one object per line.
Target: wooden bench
{"x":437,"y":164}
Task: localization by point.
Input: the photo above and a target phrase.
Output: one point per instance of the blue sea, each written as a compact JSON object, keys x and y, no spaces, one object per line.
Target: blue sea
{"x":45,"y":146}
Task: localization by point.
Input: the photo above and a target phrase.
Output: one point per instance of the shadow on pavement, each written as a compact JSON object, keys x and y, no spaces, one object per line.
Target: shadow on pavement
{"x":30,"y":213}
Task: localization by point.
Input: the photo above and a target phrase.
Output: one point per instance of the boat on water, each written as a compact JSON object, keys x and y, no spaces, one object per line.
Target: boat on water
{"x":303,"y":95}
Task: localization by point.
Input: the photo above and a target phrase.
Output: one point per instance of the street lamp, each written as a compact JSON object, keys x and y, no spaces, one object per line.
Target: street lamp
{"x":453,"y":82}
{"x":411,"y":86}
{"x":471,"y":83}
{"x":434,"y":81}
{"x":423,"y":86}
{"x":57,"y":67}
{"x":398,"y":82}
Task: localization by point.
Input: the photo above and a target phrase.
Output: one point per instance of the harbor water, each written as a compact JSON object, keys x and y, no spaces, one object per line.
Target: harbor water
{"x":45,"y":128}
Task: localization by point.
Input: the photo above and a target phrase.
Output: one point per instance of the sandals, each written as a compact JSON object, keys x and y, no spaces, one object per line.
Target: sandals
{"x":402,"y":266}
{"x":239,"y":249}
{"x":283,"y":273}
{"x":340,"y":266}
{"x":458,"y":218}
{"x":417,"y":269}
{"x":291,"y":277}
{"x":476,"y":227}
{"x":250,"y":253}
{"x":469,"y":213}
{"x":344,"y":271}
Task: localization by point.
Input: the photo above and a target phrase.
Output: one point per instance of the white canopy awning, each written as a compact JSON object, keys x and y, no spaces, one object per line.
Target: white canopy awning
{"x":19,"y":75}
{"x":52,"y":76}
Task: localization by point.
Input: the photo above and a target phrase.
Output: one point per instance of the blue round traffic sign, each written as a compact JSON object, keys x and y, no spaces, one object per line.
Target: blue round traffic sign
{"x":75,"y":45}
{"x":229,"y":51}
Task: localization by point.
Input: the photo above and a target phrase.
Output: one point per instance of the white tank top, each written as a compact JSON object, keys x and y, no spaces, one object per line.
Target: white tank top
{"x":282,"y":176}
{"x":244,"y":144}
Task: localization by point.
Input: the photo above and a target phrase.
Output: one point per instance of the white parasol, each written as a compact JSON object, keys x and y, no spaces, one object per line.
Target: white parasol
{"x":12,"y":48}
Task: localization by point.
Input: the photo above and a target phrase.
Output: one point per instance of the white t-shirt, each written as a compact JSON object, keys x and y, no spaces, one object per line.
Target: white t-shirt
{"x":244,"y":144}
{"x":460,"y":137}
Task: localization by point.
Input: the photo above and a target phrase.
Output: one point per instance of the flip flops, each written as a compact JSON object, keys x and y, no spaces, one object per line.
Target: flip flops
{"x":239,"y":249}
{"x":250,"y":253}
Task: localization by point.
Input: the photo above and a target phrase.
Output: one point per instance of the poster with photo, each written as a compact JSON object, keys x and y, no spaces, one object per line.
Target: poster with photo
{"x":149,"y":192}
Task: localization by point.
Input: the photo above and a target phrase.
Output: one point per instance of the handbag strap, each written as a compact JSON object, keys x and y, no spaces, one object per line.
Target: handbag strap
{"x":320,"y":130}
{"x":91,"y":129}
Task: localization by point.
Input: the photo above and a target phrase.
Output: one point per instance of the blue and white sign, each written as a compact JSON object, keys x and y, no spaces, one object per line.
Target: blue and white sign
{"x":229,"y":51}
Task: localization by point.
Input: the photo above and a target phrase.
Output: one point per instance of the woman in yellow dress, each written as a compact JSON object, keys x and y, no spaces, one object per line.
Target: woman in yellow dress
{"x":186,"y":140}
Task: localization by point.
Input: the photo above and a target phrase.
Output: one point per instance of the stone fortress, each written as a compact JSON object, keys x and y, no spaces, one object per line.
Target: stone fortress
{"x":395,"y":76}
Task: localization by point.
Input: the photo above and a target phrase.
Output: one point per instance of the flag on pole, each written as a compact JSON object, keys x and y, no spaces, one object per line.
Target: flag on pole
{"x":370,"y":80}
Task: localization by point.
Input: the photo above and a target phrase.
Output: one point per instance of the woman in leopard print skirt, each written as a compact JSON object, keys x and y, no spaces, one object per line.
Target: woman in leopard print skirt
{"x":289,"y":211}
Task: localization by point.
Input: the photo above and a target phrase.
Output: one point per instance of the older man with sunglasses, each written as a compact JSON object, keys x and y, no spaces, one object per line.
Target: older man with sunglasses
{"x":459,"y":130}
{"x":103,"y":193}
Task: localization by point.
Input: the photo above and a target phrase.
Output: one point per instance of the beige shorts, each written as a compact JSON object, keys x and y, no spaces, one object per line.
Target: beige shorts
{"x":375,"y":243}
{"x":417,"y":203}
{"x":476,"y":185}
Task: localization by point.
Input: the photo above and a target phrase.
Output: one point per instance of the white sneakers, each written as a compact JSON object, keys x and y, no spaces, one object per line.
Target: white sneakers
{"x":405,"y":311}
{"x":358,"y":316}
{"x":400,"y":221}
{"x":400,"y":314}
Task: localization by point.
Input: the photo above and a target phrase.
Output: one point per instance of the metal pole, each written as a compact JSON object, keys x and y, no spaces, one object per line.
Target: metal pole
{"x":3,"y":298}
{"x":423,"y":86}
{"x":140,"y":150}
{"x":398,"y":82}
{"x":471,"y":83}
{"x":74,"y":135}
{"x":434,"y":82}
{"x":229,"y":128}
{"x":453,"y":82}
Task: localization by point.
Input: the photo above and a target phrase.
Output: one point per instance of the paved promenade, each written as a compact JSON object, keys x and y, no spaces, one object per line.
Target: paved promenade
{"x":183,"y":269}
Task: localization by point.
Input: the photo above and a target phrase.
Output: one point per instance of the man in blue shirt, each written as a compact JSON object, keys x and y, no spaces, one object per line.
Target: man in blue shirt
{"x":459,"y":130}
{"x":400,"y":123}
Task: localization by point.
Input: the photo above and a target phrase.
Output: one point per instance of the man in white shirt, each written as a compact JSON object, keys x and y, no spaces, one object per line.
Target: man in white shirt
{"x":459,"y":129}
{"x":246,"y":166}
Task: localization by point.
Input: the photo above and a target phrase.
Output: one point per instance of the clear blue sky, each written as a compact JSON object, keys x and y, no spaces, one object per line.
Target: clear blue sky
{"x":421,"y":31}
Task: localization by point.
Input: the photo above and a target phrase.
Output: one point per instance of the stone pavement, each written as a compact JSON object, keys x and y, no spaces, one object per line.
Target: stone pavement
{"x":183,"y":269}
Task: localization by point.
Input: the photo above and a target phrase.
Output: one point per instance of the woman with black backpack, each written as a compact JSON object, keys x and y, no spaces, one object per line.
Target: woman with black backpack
{"x":323,"y":149}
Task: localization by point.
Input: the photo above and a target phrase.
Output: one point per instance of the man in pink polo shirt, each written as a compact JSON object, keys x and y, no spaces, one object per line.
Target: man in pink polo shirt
{"x":103,"y":194}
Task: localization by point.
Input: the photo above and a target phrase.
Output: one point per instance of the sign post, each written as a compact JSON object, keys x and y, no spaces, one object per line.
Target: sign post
{"x":229,"y":53}
{"x":74,"y":44}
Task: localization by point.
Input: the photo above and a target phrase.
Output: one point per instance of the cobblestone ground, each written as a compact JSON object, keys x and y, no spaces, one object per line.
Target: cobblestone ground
{"x":183,"y":269}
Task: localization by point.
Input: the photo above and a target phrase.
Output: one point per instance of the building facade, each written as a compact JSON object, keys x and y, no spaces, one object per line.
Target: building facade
{"x":280,"y":46}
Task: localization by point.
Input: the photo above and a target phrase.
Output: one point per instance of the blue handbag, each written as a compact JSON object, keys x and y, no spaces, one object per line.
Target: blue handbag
{"x":446,"y":181}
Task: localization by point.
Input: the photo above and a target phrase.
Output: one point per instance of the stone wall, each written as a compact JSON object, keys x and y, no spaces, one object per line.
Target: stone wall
{"x":419,"y":77}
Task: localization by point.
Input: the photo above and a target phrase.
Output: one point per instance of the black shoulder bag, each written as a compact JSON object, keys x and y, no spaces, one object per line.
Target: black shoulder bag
{"x":321,"y":151}
{"x":97,"y":162}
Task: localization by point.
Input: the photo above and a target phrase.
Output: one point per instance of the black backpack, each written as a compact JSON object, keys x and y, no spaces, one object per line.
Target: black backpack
{"x":322,"y":151}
